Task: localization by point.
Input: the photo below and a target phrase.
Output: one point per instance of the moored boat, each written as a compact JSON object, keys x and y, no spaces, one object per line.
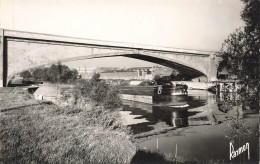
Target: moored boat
{"x":151,"y":88}
{"x":148,"y":91}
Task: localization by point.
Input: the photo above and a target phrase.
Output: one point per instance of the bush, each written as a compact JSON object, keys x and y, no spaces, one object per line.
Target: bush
{"x":112,"y":99}
{"x":99,"y":92}
{"x":95,"y":91}
{"x":95,"y":78}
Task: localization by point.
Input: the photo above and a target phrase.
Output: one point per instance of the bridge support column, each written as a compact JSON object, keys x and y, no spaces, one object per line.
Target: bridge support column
{"x":3,"y":60}
{"x":1,"y":57}
{"x":212,"y":73}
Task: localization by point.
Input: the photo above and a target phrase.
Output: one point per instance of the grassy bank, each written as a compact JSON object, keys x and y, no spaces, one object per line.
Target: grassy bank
{"x":40,"y":132}
{"x":47,"y":133}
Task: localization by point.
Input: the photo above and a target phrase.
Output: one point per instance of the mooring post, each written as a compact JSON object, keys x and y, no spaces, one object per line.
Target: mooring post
{"x":176,"y":154}
{"x":157,"y":144}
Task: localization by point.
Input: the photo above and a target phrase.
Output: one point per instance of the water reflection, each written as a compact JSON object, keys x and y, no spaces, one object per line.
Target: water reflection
{"x":204,"y":121}
{"x":171,"y":116}
{"x":171,"y":111}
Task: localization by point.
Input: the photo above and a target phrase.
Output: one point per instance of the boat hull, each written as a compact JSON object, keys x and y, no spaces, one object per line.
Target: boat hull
{"x":149,"y":94}
{"x":150,"y":90}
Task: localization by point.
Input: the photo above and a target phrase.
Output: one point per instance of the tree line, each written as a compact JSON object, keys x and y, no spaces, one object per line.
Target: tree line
{"x":55,"y":73}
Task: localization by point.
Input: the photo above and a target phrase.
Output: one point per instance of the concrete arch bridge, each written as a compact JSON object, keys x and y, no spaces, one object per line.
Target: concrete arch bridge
{"x":20,"y":51}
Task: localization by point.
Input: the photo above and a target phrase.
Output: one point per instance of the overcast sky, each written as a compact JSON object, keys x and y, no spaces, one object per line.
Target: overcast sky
{"x":189,"y":24}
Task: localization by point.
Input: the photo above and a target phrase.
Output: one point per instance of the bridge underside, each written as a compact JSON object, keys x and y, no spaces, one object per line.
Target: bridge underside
{"x":181,"y":68}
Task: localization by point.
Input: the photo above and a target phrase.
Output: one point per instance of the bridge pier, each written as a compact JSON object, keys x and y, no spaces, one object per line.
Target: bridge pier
{"x":212,"y":71}
{"x":2,"y":58}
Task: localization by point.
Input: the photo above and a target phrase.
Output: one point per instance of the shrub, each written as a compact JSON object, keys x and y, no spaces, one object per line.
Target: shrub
{"x":112,"y":99}
{"x":99,"y":92}
{"x":96,"y":91}
{"x":95,"y":78}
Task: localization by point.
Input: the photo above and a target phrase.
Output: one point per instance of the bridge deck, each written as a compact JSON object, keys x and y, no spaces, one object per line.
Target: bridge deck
{"x":83,"y":41}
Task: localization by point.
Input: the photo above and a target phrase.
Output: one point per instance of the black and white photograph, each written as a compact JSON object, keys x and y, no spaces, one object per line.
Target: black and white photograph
{"x":129,"y":81}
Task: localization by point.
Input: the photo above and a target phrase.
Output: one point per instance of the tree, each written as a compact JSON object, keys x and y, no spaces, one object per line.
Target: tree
{"x":26,"y":74}
{"x":40,"y":74}
{"x":56,"y":73}
{"x":240,"y":52}
{"x":250,"y":15}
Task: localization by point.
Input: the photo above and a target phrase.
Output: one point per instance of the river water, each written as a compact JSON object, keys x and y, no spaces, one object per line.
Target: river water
{"x":203,"y":126}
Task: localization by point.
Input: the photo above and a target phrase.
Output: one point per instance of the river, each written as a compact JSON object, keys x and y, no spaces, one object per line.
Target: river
{"x":204,"y":126}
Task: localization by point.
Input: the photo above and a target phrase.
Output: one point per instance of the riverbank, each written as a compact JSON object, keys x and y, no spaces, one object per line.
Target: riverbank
{"x":47,"y":133}
{"x":34,"y":131}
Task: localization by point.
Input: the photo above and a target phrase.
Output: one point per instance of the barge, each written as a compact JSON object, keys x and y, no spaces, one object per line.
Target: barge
{"x":149,"y":90}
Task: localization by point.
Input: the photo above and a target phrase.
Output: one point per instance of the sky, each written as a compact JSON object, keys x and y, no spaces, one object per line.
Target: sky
{"x":188,"y":24}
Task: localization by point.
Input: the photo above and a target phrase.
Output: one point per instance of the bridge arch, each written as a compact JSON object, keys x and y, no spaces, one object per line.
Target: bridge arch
{"x":146,"y":57}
